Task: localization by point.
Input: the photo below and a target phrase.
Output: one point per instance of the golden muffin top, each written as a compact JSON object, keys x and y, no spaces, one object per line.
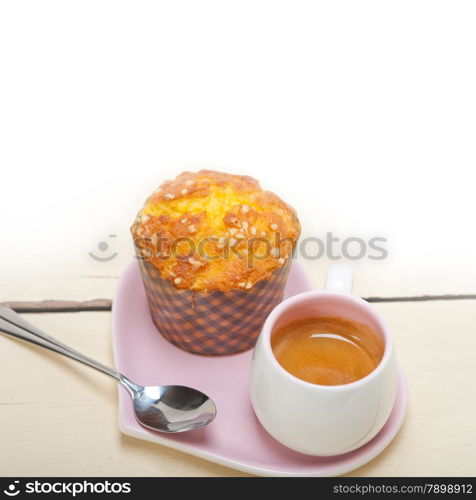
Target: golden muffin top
{"x":210,"y":230}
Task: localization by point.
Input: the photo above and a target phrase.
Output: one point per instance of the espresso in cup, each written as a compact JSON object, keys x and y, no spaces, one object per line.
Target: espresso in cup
{"x":323,"y":373}
{"x":327,"y":350}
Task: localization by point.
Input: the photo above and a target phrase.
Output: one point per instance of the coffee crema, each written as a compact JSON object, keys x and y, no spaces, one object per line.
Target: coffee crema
{"x":328,"y":350}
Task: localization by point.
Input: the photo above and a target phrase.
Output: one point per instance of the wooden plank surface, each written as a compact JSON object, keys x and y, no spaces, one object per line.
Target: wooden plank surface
{"x":98,"y":281}
{"x":58,"y":417}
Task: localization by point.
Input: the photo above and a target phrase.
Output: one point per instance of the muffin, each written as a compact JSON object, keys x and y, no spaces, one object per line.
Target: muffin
{"x":214,"y":251}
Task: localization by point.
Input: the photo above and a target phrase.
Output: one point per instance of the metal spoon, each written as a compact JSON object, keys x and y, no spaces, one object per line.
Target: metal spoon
{"x":168,"y":408}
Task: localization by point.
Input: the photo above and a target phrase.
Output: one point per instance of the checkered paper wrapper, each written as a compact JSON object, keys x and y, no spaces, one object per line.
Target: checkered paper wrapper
{"x":214,"y":322}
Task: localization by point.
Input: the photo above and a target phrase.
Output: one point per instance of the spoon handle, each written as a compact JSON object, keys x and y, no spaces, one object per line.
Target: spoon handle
{"x":13,"y":324}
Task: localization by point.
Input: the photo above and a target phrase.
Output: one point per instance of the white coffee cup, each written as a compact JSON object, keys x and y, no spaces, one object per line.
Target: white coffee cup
{"x":318,"y":419}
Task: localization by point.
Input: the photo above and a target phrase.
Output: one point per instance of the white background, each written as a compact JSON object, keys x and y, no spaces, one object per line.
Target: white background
{"x":361,"y":114}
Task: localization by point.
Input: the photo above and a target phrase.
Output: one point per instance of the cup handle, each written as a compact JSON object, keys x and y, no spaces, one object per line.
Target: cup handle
{"x":339,"y":278}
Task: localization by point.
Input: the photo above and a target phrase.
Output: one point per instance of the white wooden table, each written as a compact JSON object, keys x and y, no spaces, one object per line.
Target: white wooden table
{"x":60,"y":418}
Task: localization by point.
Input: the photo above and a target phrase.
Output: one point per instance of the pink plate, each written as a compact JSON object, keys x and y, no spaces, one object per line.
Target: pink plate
{"x":235,"y":438}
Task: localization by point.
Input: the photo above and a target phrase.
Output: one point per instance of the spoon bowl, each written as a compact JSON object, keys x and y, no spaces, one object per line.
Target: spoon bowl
{"x":172,"y":408}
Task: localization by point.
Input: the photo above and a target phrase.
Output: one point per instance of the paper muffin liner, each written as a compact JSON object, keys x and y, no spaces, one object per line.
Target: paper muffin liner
{"x":215,"y":322}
